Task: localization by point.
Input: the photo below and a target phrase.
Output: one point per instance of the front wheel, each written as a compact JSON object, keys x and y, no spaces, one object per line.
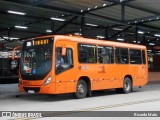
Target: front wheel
{"x":81,"y":89}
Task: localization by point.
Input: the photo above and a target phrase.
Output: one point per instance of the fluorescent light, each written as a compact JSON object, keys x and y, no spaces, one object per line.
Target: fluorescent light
{"x":120,"y":39}
{"x":149,"y":50}
{"x":121,"y":0}
{"x":11,"y":38}
{"x":157,"y":35}
{"x":101,"y":37}
{"x":57,"y":19}
{"x":151,"y":44}
{"x":1,"y":39}
{"x":82,"y":10}
{"x":16,"y":12}
{"x":21,"y":27}
{"x":104,"y":5}
{"x":77,"y":33}
{"x":138,"y":41}
{"x":118,"y":29}
{"x":29,"y":44}
{"x":89,"y":24}
{"x":140,"y":32}
{"x":9,"y":47}
{"x":49,"y":31}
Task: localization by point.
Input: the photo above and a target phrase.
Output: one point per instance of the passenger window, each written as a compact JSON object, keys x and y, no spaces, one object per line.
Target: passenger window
{"x":135,"y":56}
{"x":121,"y":55}
{"x":63,"y":62}
{"x":105,"y":55}
{"x":87,"y":53}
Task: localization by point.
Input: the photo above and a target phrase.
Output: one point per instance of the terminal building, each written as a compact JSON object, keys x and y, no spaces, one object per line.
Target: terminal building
{"x":121,"y":21}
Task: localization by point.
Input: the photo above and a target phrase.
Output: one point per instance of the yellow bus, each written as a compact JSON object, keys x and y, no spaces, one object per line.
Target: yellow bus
{"x":69,"y":64}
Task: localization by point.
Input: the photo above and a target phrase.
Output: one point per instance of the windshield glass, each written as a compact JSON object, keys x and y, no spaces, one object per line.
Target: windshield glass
{"x":36,"y":60}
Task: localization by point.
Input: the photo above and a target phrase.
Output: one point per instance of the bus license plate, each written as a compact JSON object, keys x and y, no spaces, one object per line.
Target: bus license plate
{"x":30,"y":91}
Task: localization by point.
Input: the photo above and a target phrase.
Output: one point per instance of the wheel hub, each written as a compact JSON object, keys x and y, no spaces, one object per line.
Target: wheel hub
{"x":127,"y":86}
{"x":81,"y":89}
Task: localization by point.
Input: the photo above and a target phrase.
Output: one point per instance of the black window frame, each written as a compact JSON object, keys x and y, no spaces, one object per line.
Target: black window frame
{"x":61,"y":69}
{"x":119,"y":57}
{"x":111,"y":56}
{"x":135,"y":57}
{"x":85,"y":57}
{"x":144,"y":57}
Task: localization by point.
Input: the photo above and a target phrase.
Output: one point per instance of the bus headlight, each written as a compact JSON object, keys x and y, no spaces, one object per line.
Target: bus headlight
{"x":47,"y":81}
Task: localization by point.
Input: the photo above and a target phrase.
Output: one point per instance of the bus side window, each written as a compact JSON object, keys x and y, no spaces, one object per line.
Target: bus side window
{"x":135,"y":56}
{"x":87,"y":53}
{"x":121,"y":56}
{"x":105,"y":54}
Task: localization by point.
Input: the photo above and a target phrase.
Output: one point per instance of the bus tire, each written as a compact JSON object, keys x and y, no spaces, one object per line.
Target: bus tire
{"x":81,"y":89}
{"x":127,"y":85}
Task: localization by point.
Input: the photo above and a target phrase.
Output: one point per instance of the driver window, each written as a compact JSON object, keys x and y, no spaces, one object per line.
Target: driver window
{"x":63,"y":62}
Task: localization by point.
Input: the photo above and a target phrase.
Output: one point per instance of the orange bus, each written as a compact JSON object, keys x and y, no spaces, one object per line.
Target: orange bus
{"x":69,"y":64}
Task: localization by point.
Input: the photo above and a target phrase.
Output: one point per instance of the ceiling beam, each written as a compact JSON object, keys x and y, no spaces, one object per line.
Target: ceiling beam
{"x":101,"y":16}
{"x":100,"y":7}
{"x":144,"y":19}
{"x":42,"y":7}
{"x":3,"y":38}
{"x":25,"y":16}
{"x":21,"y":31}
{"x":123,"y":12}
{"x":142,"y":9}
{"x":131,"y":22}
{"x":127,"y":28}
{"x":119,"y":1}
{"x":38,"y":2}
{"x":65,"y":24}
{"x":150,"y":27}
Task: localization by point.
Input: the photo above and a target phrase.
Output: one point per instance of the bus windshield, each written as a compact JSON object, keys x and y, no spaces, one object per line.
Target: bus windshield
{"x":36,"y":61}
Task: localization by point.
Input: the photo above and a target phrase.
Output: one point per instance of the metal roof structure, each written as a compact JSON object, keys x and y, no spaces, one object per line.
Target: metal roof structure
{"x":131,"y":21}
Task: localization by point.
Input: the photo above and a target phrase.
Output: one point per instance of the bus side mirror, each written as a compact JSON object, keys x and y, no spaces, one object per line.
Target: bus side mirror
{"x":13,"y":52}
{"x":13,"y":55}
{"x":63,"y":51}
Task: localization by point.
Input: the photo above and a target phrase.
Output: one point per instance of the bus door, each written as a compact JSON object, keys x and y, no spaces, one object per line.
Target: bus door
{"x":87,"y":57}
{"x":65,"y":80}
{"x":106,"y":67}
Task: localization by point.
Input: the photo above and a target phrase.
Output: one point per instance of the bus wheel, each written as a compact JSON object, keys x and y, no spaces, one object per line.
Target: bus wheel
{"x":127,"y":85}
{"x":81,"y":89}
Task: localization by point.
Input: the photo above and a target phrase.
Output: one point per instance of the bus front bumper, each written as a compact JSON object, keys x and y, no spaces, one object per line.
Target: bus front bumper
{"x":48,"y":89}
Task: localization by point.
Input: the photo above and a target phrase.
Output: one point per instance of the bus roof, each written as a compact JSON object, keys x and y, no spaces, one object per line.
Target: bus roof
{"x":100,"y":42}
